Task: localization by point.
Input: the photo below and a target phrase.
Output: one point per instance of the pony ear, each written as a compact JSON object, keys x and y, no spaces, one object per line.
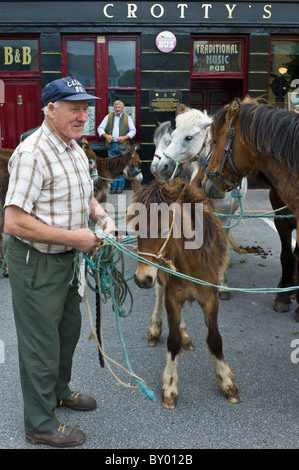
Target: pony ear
{"x":173,"y":123}
{"x":158,"y":123}
{"x":205,"y":123}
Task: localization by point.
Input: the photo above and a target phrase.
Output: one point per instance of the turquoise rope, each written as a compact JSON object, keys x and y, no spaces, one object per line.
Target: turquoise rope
{"x":196,"y":280}
{"x":111,"y":284}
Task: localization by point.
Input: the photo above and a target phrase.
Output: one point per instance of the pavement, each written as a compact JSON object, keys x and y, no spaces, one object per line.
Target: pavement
{"x":260,"y":345}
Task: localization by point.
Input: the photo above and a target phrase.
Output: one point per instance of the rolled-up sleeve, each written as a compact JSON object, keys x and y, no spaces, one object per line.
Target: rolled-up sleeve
{"x":132,"y":128}
{"x":25,"y":181}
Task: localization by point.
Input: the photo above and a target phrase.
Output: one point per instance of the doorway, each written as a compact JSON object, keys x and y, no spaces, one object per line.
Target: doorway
{"x":21,"y":110}
{"x":211,"y":95}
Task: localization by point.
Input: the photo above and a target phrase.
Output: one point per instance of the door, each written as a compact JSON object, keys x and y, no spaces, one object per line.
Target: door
{"x":21,"y":110}
{"x":212,"y":95}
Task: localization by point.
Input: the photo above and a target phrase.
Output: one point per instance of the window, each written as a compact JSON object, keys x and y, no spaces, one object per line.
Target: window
{"x":284,"y":70}
{"x":216,"y":56}
{"x":19,"y":55}
{"x":108,"y":67}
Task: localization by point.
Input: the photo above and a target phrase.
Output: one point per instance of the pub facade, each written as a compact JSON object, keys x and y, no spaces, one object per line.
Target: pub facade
{"x":151,"y":55}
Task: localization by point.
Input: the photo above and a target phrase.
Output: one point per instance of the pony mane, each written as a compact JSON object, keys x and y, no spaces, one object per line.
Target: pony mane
{"x":265,"y":129}
{"x":180,"y":191}
{"x":271,"y":131}
{"x":190,"y":119}
{"x":162,"y":129}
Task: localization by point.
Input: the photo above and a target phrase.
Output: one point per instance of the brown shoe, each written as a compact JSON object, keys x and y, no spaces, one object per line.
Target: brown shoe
{"x":63,"y":436}
{"x":78,"y":401}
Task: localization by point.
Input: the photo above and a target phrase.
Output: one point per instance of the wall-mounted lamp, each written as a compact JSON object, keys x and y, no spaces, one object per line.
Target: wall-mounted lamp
{"x":282,"y":70}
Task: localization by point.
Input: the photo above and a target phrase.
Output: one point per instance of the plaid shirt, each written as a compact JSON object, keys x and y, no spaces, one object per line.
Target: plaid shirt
{"x":50,"y":181}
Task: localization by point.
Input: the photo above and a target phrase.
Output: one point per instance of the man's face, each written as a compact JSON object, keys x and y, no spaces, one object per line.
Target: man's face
{"x":118,"y":109}
{"x":68,"y":120}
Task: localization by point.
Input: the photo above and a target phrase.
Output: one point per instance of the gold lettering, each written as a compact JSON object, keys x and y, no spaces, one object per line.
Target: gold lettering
{"x":230,"y":10}
{"x":206,"y":6}
{"x":8,"y":57}
{"x":266,"y":10}
{"x":26,"y":55}
{"x":182,"y":6}
{"x":105,"y":10}
{"x":153,"y":10}
{"x":17,"y":56}
{"x":131,"y":10}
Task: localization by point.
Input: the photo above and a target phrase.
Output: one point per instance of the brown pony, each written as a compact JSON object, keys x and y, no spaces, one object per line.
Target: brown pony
{"x":205,"y":260}
{"x":249,"y":138}
{"x":105,"y":170}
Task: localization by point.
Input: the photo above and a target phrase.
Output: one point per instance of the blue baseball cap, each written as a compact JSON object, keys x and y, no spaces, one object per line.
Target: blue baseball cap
{"x":67,"y":88}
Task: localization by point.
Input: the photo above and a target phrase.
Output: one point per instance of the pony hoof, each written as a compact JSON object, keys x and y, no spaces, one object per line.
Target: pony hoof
{"x":281,"y":307}
{"x":152,"y":342}
{"x":234,"y":398}
{"x":188,"y":346}
{"x":169,"y":404}
{"x":224,"y":295}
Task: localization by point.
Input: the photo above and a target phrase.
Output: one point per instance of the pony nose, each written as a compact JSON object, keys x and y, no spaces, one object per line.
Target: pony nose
{"x":145,"y":282}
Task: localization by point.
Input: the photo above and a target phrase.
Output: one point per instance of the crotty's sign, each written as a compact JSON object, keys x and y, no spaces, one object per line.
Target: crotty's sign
{"x":181,"y":13}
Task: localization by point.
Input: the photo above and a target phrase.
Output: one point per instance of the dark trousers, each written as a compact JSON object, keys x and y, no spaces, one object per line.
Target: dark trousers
{"x":48,"y":321}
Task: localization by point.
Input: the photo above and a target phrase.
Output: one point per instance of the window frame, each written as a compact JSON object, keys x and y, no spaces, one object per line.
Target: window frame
{"x":277,"y":37}
{"x":101,"y":88}
{"x":19,"y":73}
{"x":222,"y":75}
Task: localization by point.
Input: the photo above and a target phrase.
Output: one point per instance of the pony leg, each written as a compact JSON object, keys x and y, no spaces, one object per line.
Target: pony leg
{"x":174,"y":343}
{"x":224,"y":294}
{"x":156,"y":320}
{"x":170,"y":382}
{"x":222,"y":370}
{"x":186,"y":340}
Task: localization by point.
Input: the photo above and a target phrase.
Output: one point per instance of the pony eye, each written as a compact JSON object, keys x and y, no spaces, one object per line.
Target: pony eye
{"x":188,"y":137}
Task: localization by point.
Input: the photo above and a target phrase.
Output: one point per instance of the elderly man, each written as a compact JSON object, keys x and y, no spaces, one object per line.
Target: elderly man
{"x":117,"y":128}
{"x":47,"y":208}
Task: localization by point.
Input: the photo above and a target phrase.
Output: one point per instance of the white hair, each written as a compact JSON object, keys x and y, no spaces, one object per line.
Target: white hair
{"x":192,"y":117}
{"x":45,"y":108}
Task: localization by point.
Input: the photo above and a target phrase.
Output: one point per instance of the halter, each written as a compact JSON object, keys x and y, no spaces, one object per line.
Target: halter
{"x":189,"y":159}
{"x":159,"y":257}
{"x":227,"y":157}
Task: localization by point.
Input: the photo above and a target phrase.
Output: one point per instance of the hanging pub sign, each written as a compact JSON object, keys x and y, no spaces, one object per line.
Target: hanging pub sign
{"x":19,"y":55}
{"x":165,"y":41}
{"x":217,"y":56}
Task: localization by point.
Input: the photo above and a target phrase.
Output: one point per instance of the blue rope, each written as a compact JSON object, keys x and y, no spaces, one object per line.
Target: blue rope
{"x":111,"y":284}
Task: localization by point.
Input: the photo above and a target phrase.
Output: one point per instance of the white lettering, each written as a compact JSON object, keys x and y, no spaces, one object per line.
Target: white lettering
{"x":153,"y":10}
{"x":206,"y":6}
{"x":2,"y":352}
{"x":266,"y":10}
{"x":230,"y":10}
{"x":182,"y":6}
{"x":295,"y":93}
{"x":105,"y":10}
{"x":131,"y":10}
{"x":295,"y":353}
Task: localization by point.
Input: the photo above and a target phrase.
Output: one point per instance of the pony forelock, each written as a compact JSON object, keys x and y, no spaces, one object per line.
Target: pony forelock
{"x":192,"y":118}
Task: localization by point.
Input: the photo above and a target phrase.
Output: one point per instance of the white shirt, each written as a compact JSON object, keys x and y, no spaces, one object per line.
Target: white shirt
{"x":50,"y":181}
{"x":115,"y":132}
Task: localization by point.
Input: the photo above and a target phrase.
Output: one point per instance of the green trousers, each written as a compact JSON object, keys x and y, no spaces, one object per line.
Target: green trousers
{"x":48,"y":322}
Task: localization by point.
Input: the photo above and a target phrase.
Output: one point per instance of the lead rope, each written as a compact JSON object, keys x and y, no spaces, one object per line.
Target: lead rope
{"x":110,"y":284}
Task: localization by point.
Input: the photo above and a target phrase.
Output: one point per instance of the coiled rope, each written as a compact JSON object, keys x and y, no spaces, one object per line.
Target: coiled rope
{"x":110,"y":283}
